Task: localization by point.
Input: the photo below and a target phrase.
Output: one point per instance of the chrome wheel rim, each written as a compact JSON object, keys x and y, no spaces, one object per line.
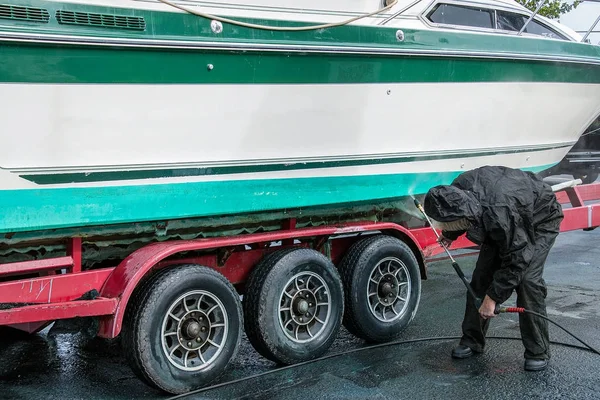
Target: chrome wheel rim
{"x":194,"y":330}
{"x":388,"y":289}
{"x":304,"y":307}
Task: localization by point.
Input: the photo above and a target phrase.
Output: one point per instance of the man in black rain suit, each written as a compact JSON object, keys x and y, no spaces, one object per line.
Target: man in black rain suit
{"x":515,"y":218}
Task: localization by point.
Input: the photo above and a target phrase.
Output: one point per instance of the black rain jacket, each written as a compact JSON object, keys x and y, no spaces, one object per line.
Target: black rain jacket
{"x":508,"y":209}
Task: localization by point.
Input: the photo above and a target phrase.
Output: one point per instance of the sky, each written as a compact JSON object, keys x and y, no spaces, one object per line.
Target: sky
{"x":582,"y":18}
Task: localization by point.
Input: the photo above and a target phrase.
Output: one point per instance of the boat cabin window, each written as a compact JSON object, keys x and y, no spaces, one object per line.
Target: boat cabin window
{"x":479,"y":17}
{"x":452,"y":14}
{"x":509,"y":21}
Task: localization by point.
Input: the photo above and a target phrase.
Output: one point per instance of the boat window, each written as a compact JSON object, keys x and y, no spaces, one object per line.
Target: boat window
{"x":452,"y":14}
{"x":509,"y":21}
{"x":539,"y":29}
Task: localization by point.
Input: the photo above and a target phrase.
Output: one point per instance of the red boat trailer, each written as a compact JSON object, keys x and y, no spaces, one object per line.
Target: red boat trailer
{"x":55,"y":289}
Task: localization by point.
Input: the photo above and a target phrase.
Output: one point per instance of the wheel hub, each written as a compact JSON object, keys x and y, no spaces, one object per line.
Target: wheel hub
{"x":191,"y":329}
{"x":304,"y":306}
{"x":388,"y":289}
{"x":194,"y":330}
{"x":301,"y":306}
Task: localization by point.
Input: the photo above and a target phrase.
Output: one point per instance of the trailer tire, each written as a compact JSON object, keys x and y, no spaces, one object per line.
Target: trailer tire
{"x":392,"y":264}
{"x":293,"y":305}
{"x":208,"y":309}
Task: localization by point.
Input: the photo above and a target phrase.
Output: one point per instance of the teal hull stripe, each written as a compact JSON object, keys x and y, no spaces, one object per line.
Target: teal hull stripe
{"x":39,"y":209}
{"x":86,"y":177}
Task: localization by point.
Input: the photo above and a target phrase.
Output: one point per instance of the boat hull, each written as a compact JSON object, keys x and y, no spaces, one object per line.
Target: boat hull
{"x":113,"y":128}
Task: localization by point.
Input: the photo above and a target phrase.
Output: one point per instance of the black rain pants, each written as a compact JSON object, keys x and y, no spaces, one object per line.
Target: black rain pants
{"x":531,"y":295}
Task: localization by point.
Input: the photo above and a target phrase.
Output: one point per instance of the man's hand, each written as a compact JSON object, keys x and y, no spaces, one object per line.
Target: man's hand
{"x":444,"y":241}
{"x":487,"y":308}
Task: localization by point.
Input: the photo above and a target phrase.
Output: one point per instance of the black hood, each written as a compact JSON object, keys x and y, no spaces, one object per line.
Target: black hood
{"x":449,"y":203}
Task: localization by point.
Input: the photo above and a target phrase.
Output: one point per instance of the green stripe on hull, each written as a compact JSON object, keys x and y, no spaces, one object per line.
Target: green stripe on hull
{"x":71,"y":63}
{"x":40,"y":209}
{"x":85,"y":65}
{"x":108,"y":176}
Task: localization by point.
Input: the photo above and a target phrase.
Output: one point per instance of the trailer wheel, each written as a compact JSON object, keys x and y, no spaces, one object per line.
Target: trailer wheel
{"x":293,"y":305}
{"x":382,"y":287}
{"x":182,"y":328}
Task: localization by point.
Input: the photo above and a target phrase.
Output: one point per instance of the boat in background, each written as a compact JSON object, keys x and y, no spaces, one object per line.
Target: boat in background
{"x":118,"y":113}
{"x":583,"y":160}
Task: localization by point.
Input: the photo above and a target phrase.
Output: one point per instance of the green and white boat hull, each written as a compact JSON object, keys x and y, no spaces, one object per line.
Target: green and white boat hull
{"x":103,"y":125}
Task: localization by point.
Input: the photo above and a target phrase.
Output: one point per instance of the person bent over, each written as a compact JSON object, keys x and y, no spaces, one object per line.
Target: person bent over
{"x":515,"y":218}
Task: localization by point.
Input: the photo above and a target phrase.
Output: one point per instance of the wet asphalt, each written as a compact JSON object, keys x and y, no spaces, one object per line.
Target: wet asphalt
{"x":73,"y":366}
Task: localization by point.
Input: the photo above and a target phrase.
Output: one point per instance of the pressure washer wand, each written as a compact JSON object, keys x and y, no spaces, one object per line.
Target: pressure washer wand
{"x":455,"y":265}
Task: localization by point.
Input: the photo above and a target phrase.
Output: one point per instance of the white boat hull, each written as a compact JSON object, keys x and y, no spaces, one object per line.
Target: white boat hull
{"x":91,"y":128}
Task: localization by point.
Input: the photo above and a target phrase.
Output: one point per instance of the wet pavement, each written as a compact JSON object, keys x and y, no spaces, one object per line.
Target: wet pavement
{"x":71,"y":366}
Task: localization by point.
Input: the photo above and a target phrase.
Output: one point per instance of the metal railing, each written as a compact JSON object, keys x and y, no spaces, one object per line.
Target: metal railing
{"x":595,"y":22}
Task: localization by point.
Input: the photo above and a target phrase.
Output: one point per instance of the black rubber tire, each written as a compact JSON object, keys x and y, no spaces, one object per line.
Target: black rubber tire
{"x":356,"y":268}
{"x":141,"y":335}
{"x":261,"y":305}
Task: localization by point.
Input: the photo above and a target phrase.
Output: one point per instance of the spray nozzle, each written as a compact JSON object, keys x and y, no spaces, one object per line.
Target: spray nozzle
{"x":417,"y":204}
